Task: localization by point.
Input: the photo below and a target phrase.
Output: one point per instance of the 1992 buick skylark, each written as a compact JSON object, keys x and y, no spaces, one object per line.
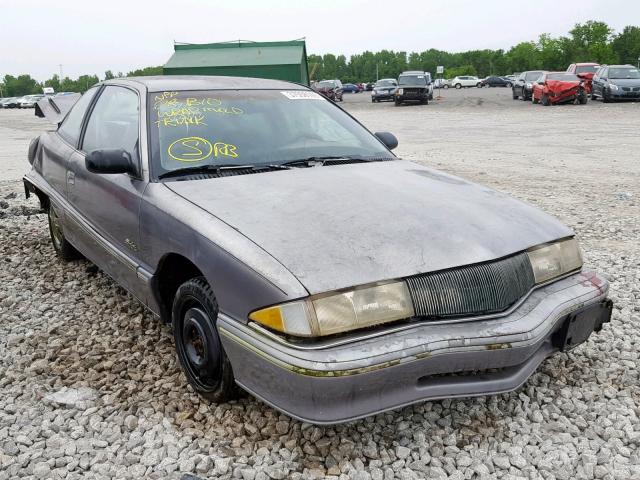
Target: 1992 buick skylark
{"x":297,"y":257}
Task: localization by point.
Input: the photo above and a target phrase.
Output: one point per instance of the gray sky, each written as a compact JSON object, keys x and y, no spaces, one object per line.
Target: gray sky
{"x":91,"y":37}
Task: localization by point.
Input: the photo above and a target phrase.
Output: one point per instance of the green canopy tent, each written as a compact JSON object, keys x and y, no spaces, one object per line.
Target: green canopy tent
{"x":275,"y":60}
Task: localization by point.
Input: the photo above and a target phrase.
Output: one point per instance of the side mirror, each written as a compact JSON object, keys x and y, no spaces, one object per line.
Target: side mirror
{"x":389,"y":139}
{"x":109,"y":160}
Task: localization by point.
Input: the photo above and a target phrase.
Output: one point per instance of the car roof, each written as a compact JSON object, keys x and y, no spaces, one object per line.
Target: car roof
{"x":163,"y":83}
{"x":620,"y":66}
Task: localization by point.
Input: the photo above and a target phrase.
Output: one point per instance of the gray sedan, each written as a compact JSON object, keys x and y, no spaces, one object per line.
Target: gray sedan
{"x":296,"y":257}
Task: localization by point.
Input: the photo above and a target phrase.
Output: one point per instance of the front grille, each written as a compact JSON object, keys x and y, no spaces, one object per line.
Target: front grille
{"x":479,"y":289}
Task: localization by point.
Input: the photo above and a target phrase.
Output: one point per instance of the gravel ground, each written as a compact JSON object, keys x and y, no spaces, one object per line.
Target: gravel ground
{"x":90,"y":387}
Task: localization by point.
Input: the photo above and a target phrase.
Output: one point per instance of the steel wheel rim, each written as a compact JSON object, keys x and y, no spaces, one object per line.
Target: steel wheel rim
{"x":57,"y":234}
{"x":199,"y":350}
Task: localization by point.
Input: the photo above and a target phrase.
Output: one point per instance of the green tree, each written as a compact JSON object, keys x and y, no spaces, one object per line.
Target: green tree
{"x":591,"y":41}
{"x":20,"y":85}
{"x":626,"y":45}
{"x":145,"y":72}
{"x":108,"y":75}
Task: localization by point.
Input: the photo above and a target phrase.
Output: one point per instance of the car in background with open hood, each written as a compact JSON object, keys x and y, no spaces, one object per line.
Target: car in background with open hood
{"x":585,"y":71}
{"x":332,"y":89}
{"x":553,"y":88}
{"x":294,"y":255}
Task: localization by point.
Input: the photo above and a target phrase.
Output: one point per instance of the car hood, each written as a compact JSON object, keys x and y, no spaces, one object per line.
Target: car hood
{"x":560,"y":86}
{"x":344,"y":225}
{"x":625,"y":82}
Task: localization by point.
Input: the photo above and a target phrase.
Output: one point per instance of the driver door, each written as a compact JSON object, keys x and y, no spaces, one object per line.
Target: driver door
{"x":107,"y":205}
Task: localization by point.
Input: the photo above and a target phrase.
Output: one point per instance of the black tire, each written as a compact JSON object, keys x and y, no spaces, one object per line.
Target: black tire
{"x":583,"y":99}
{"x":198,"y":346}
{"x":479,"y":85}
{"x":524,"y":95}
{"x":458,"y":86}
{"x":605,"y":96}
{"x":63,"y":248}
{"x":544,"y":100}
{"x":445,"y":86}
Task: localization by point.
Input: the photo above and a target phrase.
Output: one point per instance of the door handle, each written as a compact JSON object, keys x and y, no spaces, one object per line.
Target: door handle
{"x":71,"y":178}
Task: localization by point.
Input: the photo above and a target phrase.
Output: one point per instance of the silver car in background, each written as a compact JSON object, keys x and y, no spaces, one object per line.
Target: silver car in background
{"x":296,"y":257}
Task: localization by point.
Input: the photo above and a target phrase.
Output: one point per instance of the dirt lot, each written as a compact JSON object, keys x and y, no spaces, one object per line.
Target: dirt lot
{"x":89,"y":386}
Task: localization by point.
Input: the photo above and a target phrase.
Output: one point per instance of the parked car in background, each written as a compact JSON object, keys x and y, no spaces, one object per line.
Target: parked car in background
{"x":13,"y":102}
{"x":441,"y":83}
{"x":553,"y":88}
{"x":465,"y":81}
{"x":585,"y":71}
{"x":523,"y":85}
{"x":384,"y":89}
{"x":466,"y":292}
{"x":511,"y":78}
{"x":332,"y":89}
{"x":350,"y":88}
{"x":414,"y":86}
{"x":616,"y":82}
{"x":369,"y":86}
{"x":30,"y":101}
{"x":6,"y":101}
{"x":495,"y":81}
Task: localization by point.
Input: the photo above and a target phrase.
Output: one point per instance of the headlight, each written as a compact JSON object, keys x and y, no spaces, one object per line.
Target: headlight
{"x":528,"y":85}
{"x":400,"y":91}
{"x":555,"y":259}
{"x":339,"y":312}
{"x":613,"y":86}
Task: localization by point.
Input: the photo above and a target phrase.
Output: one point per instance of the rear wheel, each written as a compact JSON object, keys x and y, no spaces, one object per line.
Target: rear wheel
{"x":458,"y":86}
{"x":63,"y":248}
{"x":200,"y":352}
{"x":479,"y":85}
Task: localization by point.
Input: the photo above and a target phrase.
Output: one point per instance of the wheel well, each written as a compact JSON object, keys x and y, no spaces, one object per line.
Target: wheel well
{"x":42,"y":197}
{"x":173,"y":271}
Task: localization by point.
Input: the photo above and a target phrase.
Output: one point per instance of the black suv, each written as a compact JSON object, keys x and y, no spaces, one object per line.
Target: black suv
{"x":616,"y":82}
{"x":523,"y":85}
{"x":414,"y":86}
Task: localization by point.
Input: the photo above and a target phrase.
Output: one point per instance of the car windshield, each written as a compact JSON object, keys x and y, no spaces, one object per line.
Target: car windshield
{"x":564,"y":77}
{"x":326,"y":84}
{"x":624,"y":73}
{"x":530,"y":76}
{"x":252,"y":127}
{"x":587,"y":68}
{"x":412,"y":80}
{"x":386,"y":83}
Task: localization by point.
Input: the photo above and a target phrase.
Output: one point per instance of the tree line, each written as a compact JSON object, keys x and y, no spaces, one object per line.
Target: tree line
{"x":592,"y":41}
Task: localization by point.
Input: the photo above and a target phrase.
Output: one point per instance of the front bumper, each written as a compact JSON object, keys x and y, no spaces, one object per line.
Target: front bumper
{"x":370,"y":373}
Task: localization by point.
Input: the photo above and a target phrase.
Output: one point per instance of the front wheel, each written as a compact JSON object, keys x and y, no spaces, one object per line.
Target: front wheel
{"x":200,"y":352}
{"x":63,"y":248}
{"x":458,"y":86}
{"x":446,"y":87}
{"x":544,"y":100}
{"x":479,"y":85}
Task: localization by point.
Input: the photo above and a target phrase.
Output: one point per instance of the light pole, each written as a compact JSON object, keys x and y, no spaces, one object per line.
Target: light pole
{"x":638,"y":61}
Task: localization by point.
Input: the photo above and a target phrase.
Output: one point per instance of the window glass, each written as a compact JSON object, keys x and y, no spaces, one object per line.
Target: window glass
{"x":252,"y":127}
{"x":70,"y":128}
{"x":113,"y":122}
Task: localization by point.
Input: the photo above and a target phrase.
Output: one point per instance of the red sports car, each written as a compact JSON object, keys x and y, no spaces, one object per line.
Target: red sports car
{"x":558,"y":87}
{"x":585,"y":71}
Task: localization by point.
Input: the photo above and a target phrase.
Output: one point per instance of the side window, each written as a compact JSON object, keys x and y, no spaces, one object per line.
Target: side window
{"x":114,"y":122}
{"x":71,"y":125}
{"x":604,"y":73}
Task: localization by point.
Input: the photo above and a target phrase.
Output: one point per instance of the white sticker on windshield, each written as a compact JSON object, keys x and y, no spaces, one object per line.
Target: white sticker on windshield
{"x":301,"y":95}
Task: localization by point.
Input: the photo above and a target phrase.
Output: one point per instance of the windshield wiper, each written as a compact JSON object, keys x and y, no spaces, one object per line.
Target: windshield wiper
{"x":205,"y":169}
{"x":324,"y":160}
